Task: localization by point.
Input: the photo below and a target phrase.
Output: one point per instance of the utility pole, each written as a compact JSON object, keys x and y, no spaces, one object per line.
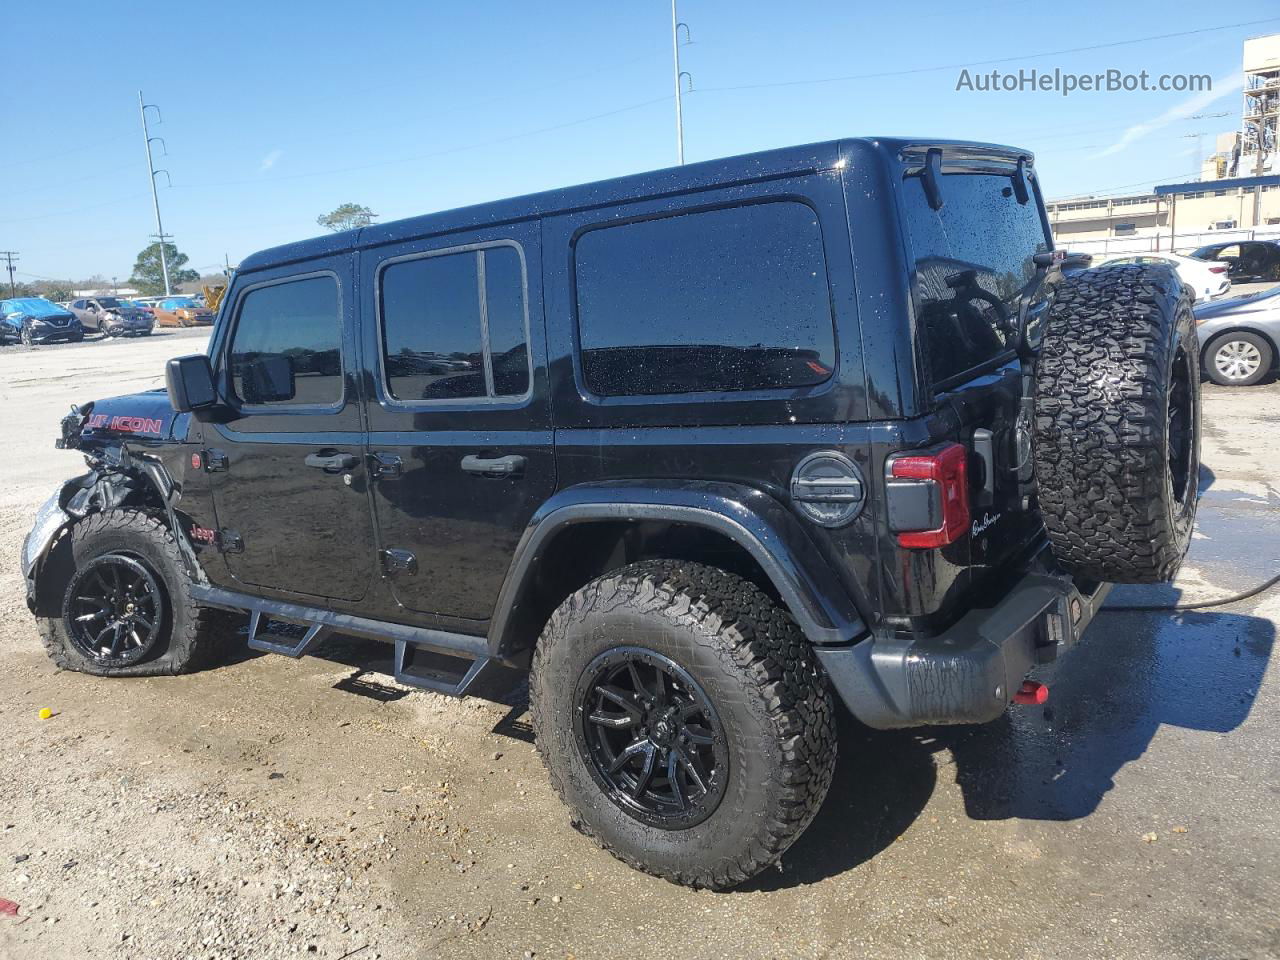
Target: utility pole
{"x":679,"y":77}
{"x":9,"y":256}
{"x":155,"y":196}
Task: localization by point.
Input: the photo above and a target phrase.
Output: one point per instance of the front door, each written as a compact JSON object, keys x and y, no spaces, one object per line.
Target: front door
{"x":460,"y":432}
{"x":287,"y":462}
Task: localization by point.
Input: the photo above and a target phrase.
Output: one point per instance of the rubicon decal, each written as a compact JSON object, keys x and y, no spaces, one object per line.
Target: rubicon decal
{"x":124,"y":424}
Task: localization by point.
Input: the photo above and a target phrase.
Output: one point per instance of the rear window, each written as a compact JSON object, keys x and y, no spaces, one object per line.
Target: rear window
{"x":721,"y":300}
{"x":980,"y":241}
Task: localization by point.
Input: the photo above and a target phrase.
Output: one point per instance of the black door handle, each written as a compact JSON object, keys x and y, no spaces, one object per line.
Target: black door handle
{"x":508,"y":466}
{"x":331,"y":463}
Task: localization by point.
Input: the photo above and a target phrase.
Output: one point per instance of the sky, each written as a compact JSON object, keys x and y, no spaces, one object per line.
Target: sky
{"x":273,"y":113}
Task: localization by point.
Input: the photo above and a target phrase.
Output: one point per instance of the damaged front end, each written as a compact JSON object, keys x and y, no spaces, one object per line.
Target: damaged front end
{"x":118,"y":476}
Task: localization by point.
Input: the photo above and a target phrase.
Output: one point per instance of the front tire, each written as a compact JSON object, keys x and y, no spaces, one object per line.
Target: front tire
{"x":683,"y":720}
{"x":123,"y":604}
{"x":28,"y":339}
{"x":1238,"y":359}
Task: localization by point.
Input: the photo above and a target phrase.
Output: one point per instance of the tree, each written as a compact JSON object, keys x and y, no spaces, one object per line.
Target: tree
{"x":148,"y":276}
{"x":347,"y":216}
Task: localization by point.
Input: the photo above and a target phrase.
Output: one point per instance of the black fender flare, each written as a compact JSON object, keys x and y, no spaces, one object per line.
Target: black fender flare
{"x":753,"y":519}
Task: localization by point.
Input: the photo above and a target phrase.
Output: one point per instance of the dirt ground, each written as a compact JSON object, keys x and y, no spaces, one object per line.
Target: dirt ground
{"x":272,"y":808}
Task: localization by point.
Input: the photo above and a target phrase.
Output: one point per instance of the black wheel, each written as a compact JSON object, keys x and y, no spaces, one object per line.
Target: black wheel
{"x":27,"y":338}
{"x":1117,"y":424}
{"x":683,"y":720}
{"x":1238,"y":359}
{"x":114,"y":611}
{"x":115,"y":601}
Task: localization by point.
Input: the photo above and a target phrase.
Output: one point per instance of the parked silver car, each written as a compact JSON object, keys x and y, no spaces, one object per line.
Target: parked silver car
{"x":112,"y":317}
{"x":1239,"y":337}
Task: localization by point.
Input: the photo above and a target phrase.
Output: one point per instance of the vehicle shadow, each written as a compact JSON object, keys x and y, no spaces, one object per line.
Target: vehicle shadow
{"x":883,"y":781}
{"x":1196,"y":670}
{"x":1110,"y":695}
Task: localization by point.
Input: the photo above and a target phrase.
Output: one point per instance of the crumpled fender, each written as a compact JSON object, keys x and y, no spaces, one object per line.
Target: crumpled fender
{"x":51,"y":519}
{"x":121,"y":476}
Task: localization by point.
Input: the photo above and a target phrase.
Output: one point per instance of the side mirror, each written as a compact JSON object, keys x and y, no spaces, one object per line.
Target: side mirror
{"x":268,"y":379}
{"x":190,"y":383}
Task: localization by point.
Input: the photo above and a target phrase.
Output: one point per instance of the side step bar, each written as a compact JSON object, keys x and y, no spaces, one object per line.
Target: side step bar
{"x":437,"y":660}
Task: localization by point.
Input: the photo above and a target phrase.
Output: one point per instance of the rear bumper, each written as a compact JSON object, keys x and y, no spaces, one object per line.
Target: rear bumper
{"x":970,"y":673}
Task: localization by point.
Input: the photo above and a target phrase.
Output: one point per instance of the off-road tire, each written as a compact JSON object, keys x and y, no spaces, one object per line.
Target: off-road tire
{"x":759,"y":672}
{"x":192,"y":634}
{"x":1119,"y":343}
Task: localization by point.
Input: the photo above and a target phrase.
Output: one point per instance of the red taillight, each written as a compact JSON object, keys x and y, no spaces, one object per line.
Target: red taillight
{"x":948,"y":469}
{"x":1217,"y":269}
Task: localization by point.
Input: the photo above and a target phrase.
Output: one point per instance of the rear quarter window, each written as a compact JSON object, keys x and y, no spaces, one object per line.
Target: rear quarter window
{"x":981,"y":237}
{"x":732,"y":299}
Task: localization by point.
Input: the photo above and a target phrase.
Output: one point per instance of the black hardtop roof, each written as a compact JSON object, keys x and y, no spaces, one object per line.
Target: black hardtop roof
{"x":669,"y":181}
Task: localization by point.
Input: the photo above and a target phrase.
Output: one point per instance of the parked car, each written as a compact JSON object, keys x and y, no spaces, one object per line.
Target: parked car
{"x":1248,"y":261}
{"x":112,"y":317}
{"x":139,"y":305}
{"x":36,"y":320}
{"x":696,"y":451}
{"x":1204,"y":280}
{"x":181,"y":312}
{"x":1239,"y":337}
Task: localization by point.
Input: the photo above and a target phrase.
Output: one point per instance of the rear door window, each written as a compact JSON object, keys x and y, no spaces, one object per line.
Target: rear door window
{"x":453,"y":326}
{"x":973,"y":257}
{"x":733,"y":299}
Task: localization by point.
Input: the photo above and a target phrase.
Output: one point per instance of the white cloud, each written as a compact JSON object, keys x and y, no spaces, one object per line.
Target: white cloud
{"x":1224,"y":87}
{"x":270,"y":159}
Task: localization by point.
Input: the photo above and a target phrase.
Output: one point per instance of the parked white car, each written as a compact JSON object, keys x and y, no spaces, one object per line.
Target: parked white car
{"x":1206,"y":279}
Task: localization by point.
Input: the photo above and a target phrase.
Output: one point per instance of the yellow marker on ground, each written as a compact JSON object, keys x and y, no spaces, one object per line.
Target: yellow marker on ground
{"x":45,"y":713}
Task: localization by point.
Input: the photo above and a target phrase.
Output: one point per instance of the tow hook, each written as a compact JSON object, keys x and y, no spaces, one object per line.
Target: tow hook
{"x":1031,"y":693}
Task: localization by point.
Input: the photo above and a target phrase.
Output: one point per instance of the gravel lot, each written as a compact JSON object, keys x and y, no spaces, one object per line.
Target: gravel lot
{"x":269,"y":809}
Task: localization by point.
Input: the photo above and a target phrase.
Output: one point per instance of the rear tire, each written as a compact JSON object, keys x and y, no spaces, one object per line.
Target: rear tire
{"x":1117,"y":424}
{"x":186,"y":635}
{"x":1238,"y":359}
{"x":762,"y":721}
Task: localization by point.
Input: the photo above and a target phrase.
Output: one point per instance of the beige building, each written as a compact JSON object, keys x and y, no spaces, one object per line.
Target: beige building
{"x":1182,"y":216}
{"x":1236,"y":198}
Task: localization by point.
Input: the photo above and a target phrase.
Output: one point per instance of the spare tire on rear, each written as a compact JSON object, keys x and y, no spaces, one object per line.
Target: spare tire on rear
{"x":1117,"y":423}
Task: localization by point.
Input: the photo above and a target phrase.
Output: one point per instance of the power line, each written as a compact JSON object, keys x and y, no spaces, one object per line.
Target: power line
{"x":428,"y":156}
{"x":67,"y":213}
{"x":985,"y":63}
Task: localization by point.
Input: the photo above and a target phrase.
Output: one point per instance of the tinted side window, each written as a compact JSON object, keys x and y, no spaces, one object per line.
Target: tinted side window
{"x":436,"y":312}
{"x":723,"y":300}
{"x":979,"y":244}
{"x":287,"y":346}
{"x":504,"y":286}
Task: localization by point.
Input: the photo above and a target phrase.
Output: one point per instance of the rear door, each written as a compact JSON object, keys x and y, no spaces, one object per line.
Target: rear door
{"x":460,"y":434}
{"x":972,"y":267}
{"x":287,"y":466}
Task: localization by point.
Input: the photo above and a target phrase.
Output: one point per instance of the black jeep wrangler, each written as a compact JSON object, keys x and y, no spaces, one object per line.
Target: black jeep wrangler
{"x":697,"y":450}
